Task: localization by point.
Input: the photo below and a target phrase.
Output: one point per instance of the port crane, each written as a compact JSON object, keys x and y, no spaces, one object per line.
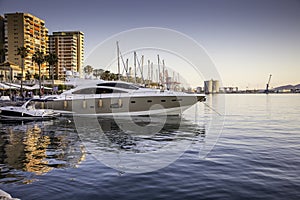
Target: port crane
{"x":268,"y":84}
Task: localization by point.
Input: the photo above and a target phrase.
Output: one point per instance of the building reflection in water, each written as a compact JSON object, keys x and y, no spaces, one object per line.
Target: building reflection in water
{"x":28,"y":153}
{"x":37,"y":148}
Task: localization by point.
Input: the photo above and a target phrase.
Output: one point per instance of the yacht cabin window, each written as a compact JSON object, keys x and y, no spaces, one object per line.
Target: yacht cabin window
{"x":120,"y":85}
{"x":97,"y":91}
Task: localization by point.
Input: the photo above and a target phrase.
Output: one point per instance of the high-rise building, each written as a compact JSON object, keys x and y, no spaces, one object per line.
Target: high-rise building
{"x":2,"y":49}
{"x":25,"y":30}
{"x":211,"y":86}
{"x":69,"y":48}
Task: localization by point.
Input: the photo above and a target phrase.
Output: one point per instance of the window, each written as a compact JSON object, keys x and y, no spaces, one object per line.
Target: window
{"x":107,"y":91}
{"x":85,"y":91}
{"x":97,"y":91}
{"x":119,"y":85}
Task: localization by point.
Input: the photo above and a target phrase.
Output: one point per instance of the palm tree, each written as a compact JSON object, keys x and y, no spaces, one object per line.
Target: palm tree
{"x":27,"y":75}
{"x":51,"y":59}
{"x":39,"y":58}
{"x":22,"y":51}
{"x":2,"y":53}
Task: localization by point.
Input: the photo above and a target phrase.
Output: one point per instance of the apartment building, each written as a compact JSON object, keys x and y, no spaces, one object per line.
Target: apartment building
{"x":69,"y":48}
{"x":25,"y":30}
{"x":2,"y":49}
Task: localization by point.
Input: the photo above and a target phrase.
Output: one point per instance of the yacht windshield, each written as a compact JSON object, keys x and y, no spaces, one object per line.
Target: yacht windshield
{"x":97,"y":91}
{"x":119,"y":85}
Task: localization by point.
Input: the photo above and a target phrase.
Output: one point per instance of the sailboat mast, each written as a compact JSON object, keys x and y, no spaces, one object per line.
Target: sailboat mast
{"x":152,"y":80}
{"x":134,"y":67}
{"x":142,"y":68}
{"x":148,"y":76}
{"x":163,"y":74}
{"x":118,"y":54}
{"x":127,"y":72}
{"x":158,"y":70}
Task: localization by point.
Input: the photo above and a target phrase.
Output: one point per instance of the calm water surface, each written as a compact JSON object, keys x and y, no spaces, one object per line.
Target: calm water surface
{"x":256,"y":157}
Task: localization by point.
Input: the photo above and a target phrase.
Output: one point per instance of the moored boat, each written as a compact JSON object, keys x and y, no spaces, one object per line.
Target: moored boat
{"x":27,"y":111}
{"x":117,"y":98}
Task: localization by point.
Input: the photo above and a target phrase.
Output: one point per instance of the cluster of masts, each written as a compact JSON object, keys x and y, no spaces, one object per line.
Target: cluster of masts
{"x":160,"y":79}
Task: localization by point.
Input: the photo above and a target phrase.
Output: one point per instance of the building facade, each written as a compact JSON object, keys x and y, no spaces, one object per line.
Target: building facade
{"x":8,"y":71}
{"x":25,"y":30}
{"x":69,"y":48}
{"x":211,"y":86}
{"x":2,"y":49}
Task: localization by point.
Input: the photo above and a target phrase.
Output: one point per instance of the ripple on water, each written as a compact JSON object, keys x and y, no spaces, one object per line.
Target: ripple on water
{"x":256,"y":157}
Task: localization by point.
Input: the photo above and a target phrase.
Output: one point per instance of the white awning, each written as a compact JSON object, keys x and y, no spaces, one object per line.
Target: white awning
{"x":36,"y":87}
{"x":5,"y":87}
{"x":19,"y":86}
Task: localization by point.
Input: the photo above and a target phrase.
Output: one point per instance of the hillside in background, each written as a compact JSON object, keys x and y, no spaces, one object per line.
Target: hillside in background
{"x":287,"y":87}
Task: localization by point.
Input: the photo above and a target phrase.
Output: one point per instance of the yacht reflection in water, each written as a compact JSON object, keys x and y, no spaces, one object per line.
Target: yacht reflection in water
{"x":138,"y":144}
{"x":37,"y":147}
{"x":128,"y":134}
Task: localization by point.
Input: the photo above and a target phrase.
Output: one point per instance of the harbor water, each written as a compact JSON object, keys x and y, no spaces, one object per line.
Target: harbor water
{"x":245,"y":146}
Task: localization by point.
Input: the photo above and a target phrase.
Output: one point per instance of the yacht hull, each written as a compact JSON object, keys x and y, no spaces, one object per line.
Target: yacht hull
{"x":118,"y":105}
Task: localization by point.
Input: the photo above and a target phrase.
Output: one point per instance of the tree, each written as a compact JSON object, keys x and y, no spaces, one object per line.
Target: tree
{"x":113,"y":76}
{"x":51,"y":59}
{"x":105,"y":75}
{"x":2,"y":53}
{"x":39,"y":58}
{"x":22,"y":51}
{"x":97,"y":72}
{"x":88,"y":69}
{"x":27,"y":75}
{"x":36,"y":76}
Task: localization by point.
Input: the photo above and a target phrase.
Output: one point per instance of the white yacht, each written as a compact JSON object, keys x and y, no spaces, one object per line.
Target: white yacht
{"x":111,"y":98}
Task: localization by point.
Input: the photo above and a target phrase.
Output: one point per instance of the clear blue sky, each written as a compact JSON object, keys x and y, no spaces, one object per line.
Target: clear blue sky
{"x":247,"y":39}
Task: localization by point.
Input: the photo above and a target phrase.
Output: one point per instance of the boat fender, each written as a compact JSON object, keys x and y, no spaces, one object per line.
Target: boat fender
{"x":84,"y":104}
{"x":100,"y":103}
{"x":65,"y":104}
{"x":120,"y":102}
